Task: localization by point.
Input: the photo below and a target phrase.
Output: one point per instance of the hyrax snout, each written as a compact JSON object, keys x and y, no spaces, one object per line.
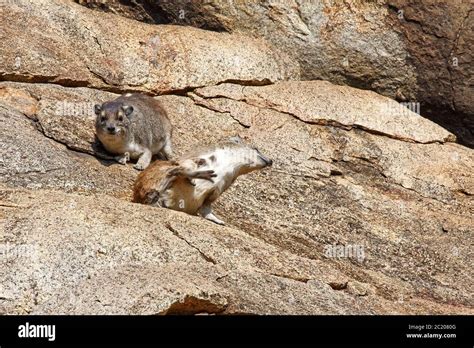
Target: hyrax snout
{"x":134,"y":126}
{"x":197,"y":179}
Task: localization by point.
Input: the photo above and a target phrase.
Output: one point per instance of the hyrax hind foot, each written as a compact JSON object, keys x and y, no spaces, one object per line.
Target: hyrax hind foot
{"x":123,"y":159}
{"x":206,"y":212}
{"x":215,"y":219}
{"x":205,"y":174}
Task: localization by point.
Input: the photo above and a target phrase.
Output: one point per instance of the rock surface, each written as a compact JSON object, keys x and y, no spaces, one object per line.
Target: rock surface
{"x":438,"y":36}
{"x":320,"y":102}
{"x":405,"y":209}
{"x":31,"y":117}
{"x":64,"y":43}
{"x":368,"y":208}
{"x":409,"y":50}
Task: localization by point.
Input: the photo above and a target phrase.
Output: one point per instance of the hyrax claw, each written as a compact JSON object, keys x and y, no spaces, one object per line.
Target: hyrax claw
{"x":206,"y":175}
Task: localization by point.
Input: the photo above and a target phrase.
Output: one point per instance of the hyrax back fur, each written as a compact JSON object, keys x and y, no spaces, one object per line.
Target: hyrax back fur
{"x":134,"y":126}
{"x":193,"y":182}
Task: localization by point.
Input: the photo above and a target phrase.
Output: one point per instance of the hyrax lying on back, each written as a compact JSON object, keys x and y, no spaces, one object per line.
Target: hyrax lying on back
{"x":193,"y":182}
{"x":134,"y":126}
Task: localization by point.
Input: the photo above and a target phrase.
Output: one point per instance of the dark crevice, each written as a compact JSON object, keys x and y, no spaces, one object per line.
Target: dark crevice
{"x":146,"y":11}
{"x":338,"y":286}
{"x":189,"y":13}
{"x":442,"y":109}
{"x":180,"y":91}
{"x":108,"y":87}
{"x":14,"y":206}
{"x":68,"y":83}
{"x":159,"y":12}
{"x":458,"y":123}
{"x":285,"y":276}
{"x":25,"y":78}
{"x":152,"y":8}
{"x":304,"y":176}
{"x":263,"y":82}
{"x":464,"y":192}
{"x":191,"y":305}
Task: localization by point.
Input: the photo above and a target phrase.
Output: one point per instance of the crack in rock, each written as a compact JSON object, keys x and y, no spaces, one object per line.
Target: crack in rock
{"x":286,"y":276}
{"x":319,"y":122}
{"x":204,"y":256}
{"x":200,"y":104}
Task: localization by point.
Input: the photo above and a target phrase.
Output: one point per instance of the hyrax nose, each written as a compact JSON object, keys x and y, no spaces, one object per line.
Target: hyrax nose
{"x":111,"y":129}
{"x":268,"y":161}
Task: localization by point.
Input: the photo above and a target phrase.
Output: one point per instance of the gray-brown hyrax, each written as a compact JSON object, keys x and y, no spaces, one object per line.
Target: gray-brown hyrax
{"x":134,"y":126}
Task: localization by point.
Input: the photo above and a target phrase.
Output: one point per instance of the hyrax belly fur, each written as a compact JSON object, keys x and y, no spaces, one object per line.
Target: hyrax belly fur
{"x":134,"y":126}
{"x":194,"y":181}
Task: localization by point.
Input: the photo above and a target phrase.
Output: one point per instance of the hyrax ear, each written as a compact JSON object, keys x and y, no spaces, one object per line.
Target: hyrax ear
{"x":200,"y":161}
{"x":128,"y":110}
{"x":237,"y":139}
{"x":97,"y":109}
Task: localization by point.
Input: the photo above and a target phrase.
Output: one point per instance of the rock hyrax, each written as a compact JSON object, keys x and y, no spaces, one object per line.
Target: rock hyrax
{"x":194,"y":181}
{"x":134,"y":126}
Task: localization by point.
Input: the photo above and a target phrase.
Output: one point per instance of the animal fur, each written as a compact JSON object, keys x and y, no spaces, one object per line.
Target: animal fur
{"x":197,"y":179}
{"x":134,"y":126}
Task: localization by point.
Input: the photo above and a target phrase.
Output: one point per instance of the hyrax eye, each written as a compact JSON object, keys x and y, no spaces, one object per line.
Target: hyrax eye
{"x":103,"y":119}
{"x":120,"y":118}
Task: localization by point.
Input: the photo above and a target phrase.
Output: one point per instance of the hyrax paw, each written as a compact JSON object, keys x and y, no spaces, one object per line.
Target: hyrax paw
{"x":139,"y":166}
{"x":123,"y":159}
{"x":207,"y":175}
